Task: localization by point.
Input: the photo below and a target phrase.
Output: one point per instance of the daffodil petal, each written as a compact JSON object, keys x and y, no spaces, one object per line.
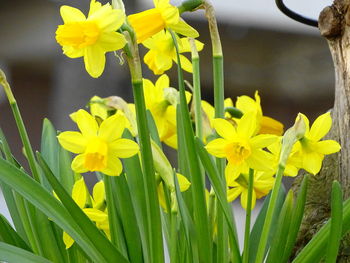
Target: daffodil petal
{"x":327,"y":147}
{"x":185,"y":63}
{"x":99,"y":193}
{"x":109,"y":20}
{"x":320,"y":127}
{"x":224,"y":128}
{"x":72,"y":52}
{"x":78,"y":164}
{"x":233,"y":171}
{"x":86,"y":123}
{"x":260,"y":160}
{"x":150,"y":61}
{"x":161,"y":196}
{"x":79,"y":193}
{"x":233,"y":193}
{"x":112,"y":41}
{"x":114,"y":167}
{"x":291,"y":170}
{"x":124,"y":148}
{"x":67,"y":240}
{"x":183,"y":182}
{"x":185,"y":45}
{"x":163,"y":62}
{"x":312,"y":162}
{"x":163,"y":82}
{"x":263,"y":140}
{"x":95,"y":60}
{"x":70,"y":14}
{"x":72,"y":141}
{"x":171,"y":141}
{"x":95,"y":215}
{"x":247,"y":125}
{"x":217,"y":147}
{"x":184,"y":29}
{"x":244,"y":199}
{"x":111,"y":129}
{"x":269,"y":125}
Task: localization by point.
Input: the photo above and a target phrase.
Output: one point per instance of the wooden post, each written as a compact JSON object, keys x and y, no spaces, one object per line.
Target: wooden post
{"x":334,"y":25}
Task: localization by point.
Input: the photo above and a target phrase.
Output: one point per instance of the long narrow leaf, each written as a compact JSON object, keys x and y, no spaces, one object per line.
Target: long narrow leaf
{"x":297,"y":217}
{"x":101,"y":243}
{"x":9,"y":235}
{"x":317,"y":246}
{"x":257,"y":228}
{"x":336,"y":223}
{"x":196,"y":178}
{"x":283,"y":225}
{"x":133,"y":169}
{"x":43,"y":200}
{"x":12,"y":254}
{"x":220,"y":193}
{"x":127,"y":215}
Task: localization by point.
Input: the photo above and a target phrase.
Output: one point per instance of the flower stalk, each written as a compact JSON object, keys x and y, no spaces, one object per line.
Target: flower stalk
{"x":152,"y":202}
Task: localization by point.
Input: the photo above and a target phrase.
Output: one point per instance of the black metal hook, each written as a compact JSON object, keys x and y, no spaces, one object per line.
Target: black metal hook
{"x":295,"y":16}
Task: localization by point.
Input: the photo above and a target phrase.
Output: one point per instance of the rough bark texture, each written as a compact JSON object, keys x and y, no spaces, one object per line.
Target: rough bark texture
{"x":334,"y":25}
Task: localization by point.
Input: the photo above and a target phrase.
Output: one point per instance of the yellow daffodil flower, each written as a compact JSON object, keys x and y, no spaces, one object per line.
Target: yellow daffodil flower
{"x":262,"y":185}
{"x":101,"y":108}
{"x":310,"y":149}
{"x":162,"y":52}
{"x":265,"y":125}
{"x":99,"y":147}
{"x":97,"y":213}
{"x":164,"y":15}
{"x":161,"y":100}
{"x":241,"y":147}
{"x":91,"y":37}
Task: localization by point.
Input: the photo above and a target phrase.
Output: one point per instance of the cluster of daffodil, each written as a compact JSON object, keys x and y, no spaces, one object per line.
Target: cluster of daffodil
{"x":141,"y":201}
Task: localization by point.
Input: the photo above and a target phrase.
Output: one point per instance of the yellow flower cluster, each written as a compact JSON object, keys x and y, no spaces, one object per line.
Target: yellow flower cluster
{"x":244,"y":148}
{"x":93,"y":206}
{"x":92,"y":36}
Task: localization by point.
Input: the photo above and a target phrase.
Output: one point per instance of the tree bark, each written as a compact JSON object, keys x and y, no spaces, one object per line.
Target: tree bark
{"x":334,"y":22}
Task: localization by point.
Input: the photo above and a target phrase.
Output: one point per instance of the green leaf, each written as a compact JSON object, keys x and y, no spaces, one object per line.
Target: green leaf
{"x":132,"y":168}
{"x":9,"y":235}
{"x":101,"y":244}
{"x":188,"y":225}
{"x":259,"y":223}
{"x":115,"y":226}
{"x":218,"y":186}
{"x":50,"y":150}
{"x":282,"y":228}
{"x":336,"y":223}
{"x":12,"y":254}
{"x":10,"y":196}
{"x":317,"y":246}
{"x":127,"y":216}
{"x":298,"y":213}
{"x":195,"y":175}
{"x":153,"y":129}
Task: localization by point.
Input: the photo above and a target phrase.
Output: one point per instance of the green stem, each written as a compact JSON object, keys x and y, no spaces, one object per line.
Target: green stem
{"x":270,"y":211}
{"x":173,"y":238}
{"x":153,"y":212}
{"x":20,"y":125}
{"x":248,"y":217}
{"x":196,"y":89}
{"x":219,"y":97}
